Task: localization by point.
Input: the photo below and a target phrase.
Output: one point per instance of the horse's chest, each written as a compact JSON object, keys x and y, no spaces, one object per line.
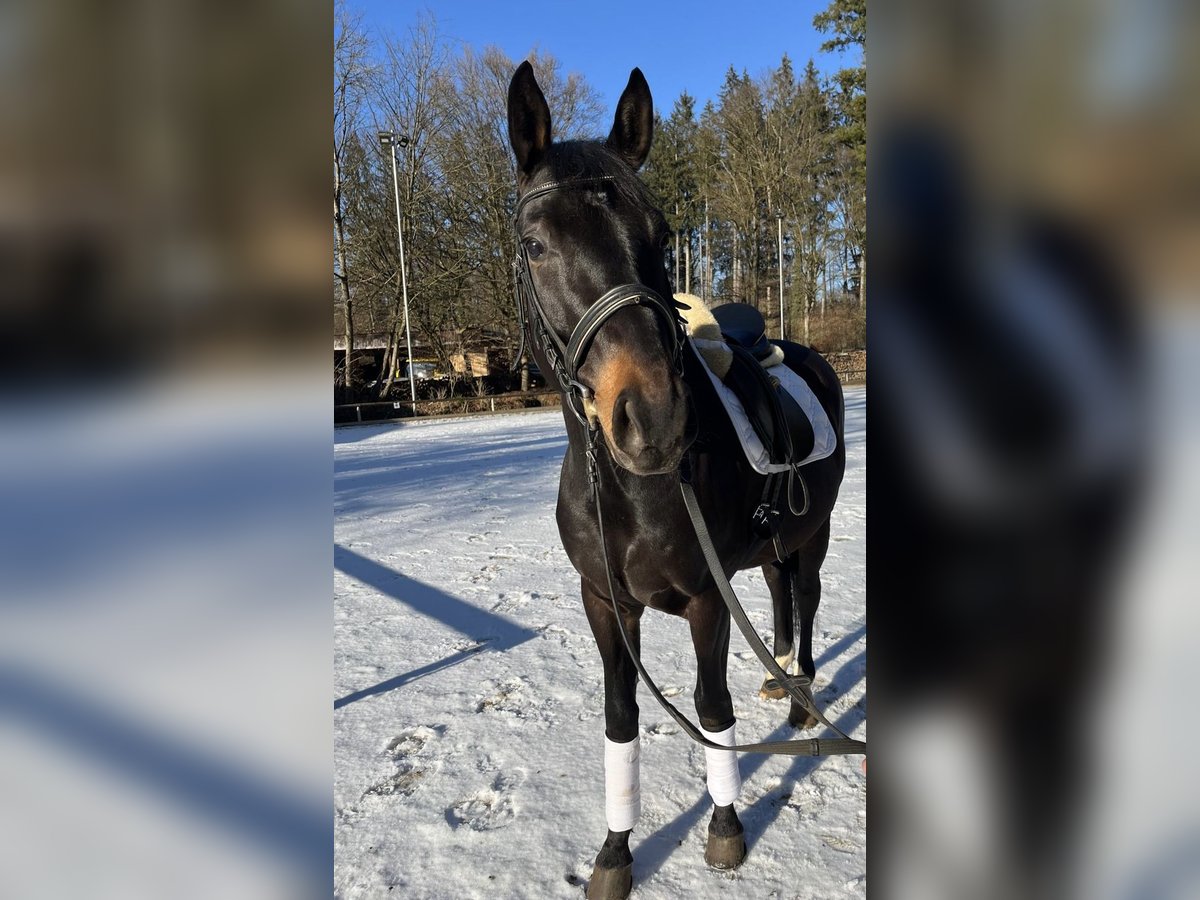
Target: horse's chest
{"x":652,"y":551}
{"x":661,"y":576}
{"x":654,"y":567}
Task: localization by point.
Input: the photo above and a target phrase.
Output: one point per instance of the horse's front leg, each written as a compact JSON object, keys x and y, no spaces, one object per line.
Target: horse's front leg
{"x":612,"y":875}
{"x":709,"y":621}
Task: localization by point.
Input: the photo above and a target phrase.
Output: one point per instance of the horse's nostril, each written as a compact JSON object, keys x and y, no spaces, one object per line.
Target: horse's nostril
{"x":647,"y":432}
{"x":626,"y":431}
{"x":635,"y":433}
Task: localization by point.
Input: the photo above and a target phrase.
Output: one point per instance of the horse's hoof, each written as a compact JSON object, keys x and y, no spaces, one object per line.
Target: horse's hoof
{"x":775,"y":693}
{"x":725,"y":851}
{"x":799,"y":717}
{"x":610,"y":884}
{"x":771,"y":689}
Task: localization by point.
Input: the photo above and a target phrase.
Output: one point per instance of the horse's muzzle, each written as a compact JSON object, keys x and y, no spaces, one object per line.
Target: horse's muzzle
{"x":651,"y":438}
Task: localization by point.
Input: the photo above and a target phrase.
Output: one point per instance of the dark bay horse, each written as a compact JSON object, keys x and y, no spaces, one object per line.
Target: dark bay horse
{"x":587,"y":226}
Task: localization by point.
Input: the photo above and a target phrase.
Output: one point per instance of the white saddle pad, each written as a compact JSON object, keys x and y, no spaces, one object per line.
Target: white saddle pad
{"x":824,"y":437}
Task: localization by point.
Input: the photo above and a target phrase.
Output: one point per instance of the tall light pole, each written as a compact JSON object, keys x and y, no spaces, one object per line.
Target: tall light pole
{"x":779,"y":222}
{"x":391,"y":140}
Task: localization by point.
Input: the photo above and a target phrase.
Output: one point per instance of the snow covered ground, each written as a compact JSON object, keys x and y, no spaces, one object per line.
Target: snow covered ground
{"x":468,"y":713}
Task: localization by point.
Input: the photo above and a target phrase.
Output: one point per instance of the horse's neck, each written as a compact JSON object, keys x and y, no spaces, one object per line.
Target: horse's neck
{"x":716,"y":436}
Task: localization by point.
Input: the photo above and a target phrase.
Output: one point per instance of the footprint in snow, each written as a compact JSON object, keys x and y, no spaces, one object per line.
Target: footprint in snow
{"x":511,"y":602}
{"x":836,"y":842}
{"x":480,"y":538}
{"x":405,"y":749}
{"x":510,"y":698}
{"x":411,"y":741}
{"x":486,"y":810}
{"x":485,"y":574}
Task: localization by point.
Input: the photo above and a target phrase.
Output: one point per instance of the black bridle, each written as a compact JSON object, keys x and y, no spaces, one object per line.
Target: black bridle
{"x":567,"y":358}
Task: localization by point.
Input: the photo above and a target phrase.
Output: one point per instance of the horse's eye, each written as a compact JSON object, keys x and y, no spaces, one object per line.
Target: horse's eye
{"x":534,"y":248}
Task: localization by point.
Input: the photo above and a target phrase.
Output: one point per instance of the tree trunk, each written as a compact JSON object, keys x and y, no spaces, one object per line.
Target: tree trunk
{"x":824,"y":274}
{"x":750,"y":272}
{"x":687,"y":265}
{"x":737,"y":268}
{"x":807,"y":287}
{"x":390,"y":359}
{"x":677,"y":276}
{"x":862,"y":277}
{"x":707,"y":279}
{"x":343,"y":275}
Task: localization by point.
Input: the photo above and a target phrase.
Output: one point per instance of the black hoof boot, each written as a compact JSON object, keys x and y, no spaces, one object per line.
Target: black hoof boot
{"x":726,"y":846}
{"x":612,"y":876}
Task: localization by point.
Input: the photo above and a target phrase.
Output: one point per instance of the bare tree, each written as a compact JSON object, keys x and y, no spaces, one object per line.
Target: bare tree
{"x":773,"y":143}
{"x":479,"y":180}
{"x":350,"y":79}
{"x":404,"y":98}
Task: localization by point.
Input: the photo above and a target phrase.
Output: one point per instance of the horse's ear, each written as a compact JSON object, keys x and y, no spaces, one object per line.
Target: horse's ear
{"x":528,"y":119}
{"x":633,"y":125}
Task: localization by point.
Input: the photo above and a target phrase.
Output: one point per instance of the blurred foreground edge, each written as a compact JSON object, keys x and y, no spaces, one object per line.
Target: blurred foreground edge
{"x":1011,"y":274}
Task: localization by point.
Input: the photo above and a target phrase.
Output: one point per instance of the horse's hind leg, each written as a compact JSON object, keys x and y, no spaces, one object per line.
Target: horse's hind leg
{"x":612,"y":875}
{"x":780,"y":578}
{"x":709,"y":622}
{"x":807,"y":593}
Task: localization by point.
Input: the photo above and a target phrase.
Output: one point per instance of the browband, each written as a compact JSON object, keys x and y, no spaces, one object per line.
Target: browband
{"x":551,"y":186}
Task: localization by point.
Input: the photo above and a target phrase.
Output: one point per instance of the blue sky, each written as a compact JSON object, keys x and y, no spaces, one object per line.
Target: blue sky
{"x":677,"y":45}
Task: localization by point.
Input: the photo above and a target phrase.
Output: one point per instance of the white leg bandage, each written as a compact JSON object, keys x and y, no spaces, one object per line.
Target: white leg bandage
{"x":724,"y":779}
{"x":622,"y":784}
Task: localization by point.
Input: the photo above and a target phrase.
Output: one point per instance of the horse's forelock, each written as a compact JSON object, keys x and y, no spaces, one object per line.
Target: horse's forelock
{"x":571,"y":160}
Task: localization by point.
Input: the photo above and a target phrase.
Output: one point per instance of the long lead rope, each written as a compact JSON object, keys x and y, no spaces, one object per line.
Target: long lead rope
{"x":839,"y":746}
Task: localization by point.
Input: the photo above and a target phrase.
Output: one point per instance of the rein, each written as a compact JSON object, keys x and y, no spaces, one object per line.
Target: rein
{"x":565,"y":360}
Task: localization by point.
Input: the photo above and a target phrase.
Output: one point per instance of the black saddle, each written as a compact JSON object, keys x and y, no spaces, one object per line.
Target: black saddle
{"x":743,"y":325}
{"x":777,"y":418}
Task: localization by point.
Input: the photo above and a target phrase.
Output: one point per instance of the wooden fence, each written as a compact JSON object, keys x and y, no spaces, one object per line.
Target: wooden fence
{"x":851,"y":368}
{"x":385,"y":410}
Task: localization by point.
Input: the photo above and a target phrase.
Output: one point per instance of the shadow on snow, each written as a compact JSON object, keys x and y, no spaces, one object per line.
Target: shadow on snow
{"x":488,"y":630}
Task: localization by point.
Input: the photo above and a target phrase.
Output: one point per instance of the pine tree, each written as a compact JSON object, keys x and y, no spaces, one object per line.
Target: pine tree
{"x":847,"y":20}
